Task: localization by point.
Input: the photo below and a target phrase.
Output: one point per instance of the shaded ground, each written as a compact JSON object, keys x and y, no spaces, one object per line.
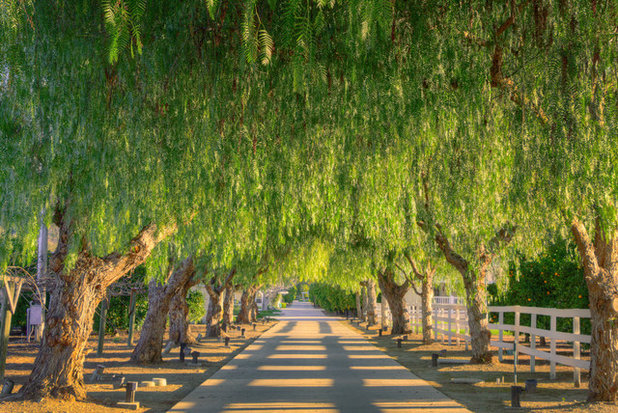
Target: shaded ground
{"x":310,"y":363}
{"x":558,"y":395}
{"x":102,"y":397}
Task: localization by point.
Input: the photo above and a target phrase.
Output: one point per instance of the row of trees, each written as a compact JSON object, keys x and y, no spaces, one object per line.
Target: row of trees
{"x":360,"y":140}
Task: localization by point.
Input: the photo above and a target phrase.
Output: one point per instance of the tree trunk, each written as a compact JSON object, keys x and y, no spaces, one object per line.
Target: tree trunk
{"x":247,"y":300}
{"x":372,"y":302}
{"x":228,"y":306}
{"x":359,"y":308}
{"x":75,"y":295}
{"x":214,"y":315}
{"x":599,"y":258}
{"x":148,"y":349}
{"x":476,"y":299}
{"x":364,"y":302}
{"x":395,"y":294}
{"x":254,"y":310}
{"x":427,"y":306}
{"x":179,"y":316}
{"x":476,"y":291}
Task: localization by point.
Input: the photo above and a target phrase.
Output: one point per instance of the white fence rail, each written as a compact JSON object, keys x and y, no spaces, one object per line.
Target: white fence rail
{"x":450,"y":323}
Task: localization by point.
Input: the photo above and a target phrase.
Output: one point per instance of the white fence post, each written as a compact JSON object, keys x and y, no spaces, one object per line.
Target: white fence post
{"x":576,"y":353}
{"x":457,"y":311}
{"x":435,"y":323}
{"x":532,"y":342}
{"x":450,"y":332}
{"x":552,"y":361}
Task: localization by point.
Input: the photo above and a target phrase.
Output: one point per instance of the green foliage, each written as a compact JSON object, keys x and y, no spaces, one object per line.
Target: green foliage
{"x":331,"y":298}
{"x":195,"y":301}
{"x":554,"y":279}
{"x":291,"y":295}
{"x":118,"y":313}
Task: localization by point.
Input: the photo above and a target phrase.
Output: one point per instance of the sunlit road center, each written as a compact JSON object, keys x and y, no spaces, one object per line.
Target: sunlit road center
{"x":310,"y":362}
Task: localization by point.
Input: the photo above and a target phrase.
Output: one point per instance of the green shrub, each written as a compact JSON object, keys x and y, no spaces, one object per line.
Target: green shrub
{"x":290,"y":296}
{"x":554,"y":279}
{"x":195,"y":301}
{"x":331,"y":298}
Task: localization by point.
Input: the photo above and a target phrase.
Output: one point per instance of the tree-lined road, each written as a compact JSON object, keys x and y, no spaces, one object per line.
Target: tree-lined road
{"x":310,"y":362}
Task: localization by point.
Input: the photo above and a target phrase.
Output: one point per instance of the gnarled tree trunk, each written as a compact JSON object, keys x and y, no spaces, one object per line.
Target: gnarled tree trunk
{"x":426,"y":293}
{"x":371,"y":302}
{"x":364,"y":302}
{"x":600,"y":262}
{"x":76,"y":293}
{"x":247,"y":313}
{"x":395,"y":294}
{"x":179,"y":315}
{"x":427,"y":306}
{"x":476,"y":291}
{"x":228,"y":305}
{"x":214,"y":316}
{"x":148,"y":349}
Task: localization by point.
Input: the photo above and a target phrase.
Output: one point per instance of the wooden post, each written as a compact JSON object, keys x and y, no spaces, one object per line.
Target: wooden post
{"x":436,"y":313}
{"x":383,"y":311}
{"x":41,"y":272}
{"x":500,"y":335}
{"x":457,"y":310}
{"x":8,"y":298}
{"x":516,"y":337}
{"x":576,"y":353}
{"x":552,"y":362}
{"x":132,"y":301}
{"x":532,"y":343}
{"x":5,"y":329}
{"x":103,"y":318}
{"x":450,"y":332}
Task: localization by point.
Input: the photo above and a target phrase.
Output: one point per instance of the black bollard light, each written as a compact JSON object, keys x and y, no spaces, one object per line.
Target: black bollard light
{"x":531,"y":386}
{"x":434,"y":359}
{"x":227,"y":341}
{"x":254,"y":326}
{"x":380,"y":332}
{"x":399,"y":342}
{"x":130,"y":395}
{"x":515,"y":395}
{"x":182,"y":352}
{"x":195,"y":355}
{"x":242,"y":332}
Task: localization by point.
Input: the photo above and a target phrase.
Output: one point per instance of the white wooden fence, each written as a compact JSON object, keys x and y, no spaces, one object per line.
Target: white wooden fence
{"x":450,"y":323}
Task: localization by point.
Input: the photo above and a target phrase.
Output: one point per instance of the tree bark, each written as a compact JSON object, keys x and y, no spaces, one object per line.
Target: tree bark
{"x":214,"y":316}
{"x":476,"y":291}
{"x":359,"y":308}
{"x":427,"y":306}
{"x":364,"y":302}
{"x":395,"y":294}
{"x":372,"y":302}
{"x":228,"y":305}
{"x":75,"y":295}
{"x":247,"y":302}
{"x":426,"y":293}
{"x":600,"y":262}
{"x":148,"y":349}
{"x":179,"y":315}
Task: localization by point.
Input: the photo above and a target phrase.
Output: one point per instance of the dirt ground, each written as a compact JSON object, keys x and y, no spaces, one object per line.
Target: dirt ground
{"x":181,"y":379}
{"x":559,"y":395}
